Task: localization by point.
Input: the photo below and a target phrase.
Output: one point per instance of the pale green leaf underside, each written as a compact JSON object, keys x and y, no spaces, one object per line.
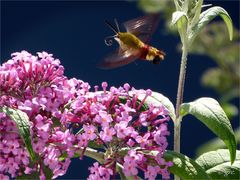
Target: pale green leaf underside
{"x":208,"y":111}
{"x":208,"y":15}
{"x":184,"y":167}
{"x":218,"y":166}
{"x":22,"y":121}
{"x":179,"y":18}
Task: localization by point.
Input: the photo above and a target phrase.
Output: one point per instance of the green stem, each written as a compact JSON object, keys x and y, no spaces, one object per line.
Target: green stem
{"x":177,"y":123}
{"x":181,"y":80}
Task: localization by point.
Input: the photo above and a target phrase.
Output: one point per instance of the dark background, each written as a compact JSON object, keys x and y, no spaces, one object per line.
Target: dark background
{"x":74,"y":32}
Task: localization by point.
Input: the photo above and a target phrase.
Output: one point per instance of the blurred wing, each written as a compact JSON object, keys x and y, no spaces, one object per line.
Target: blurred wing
{"x":143,"y":27}
{"x":117,"y":59}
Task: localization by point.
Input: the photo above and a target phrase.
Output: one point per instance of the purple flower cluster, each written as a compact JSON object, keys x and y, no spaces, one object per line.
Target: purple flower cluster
{"x":66,"y":118}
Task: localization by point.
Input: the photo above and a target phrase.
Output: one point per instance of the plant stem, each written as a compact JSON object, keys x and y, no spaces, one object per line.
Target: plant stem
{"x":177,"y":123}
{"x":180,"y":100}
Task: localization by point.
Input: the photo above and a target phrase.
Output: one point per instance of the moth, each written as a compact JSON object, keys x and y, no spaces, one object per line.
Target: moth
{"x":133,"y":44}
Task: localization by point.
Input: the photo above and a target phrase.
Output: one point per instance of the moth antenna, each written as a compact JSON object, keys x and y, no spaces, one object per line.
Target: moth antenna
{"x":111,"y":26}
{"x":109,"y":40}
{"x":117,"y":25}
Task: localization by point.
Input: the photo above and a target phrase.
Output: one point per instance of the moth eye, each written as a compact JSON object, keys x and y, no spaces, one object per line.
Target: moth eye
{"x":156,"y":60}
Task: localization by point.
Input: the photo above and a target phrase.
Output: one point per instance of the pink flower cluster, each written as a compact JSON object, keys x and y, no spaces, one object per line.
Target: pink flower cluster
{"x":66,"y":118}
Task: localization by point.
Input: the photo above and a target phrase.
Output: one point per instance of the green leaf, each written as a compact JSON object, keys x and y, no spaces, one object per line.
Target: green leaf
{"x":218,"y":166}
{"x":185,"y":167}
{"x":47,"y":172}
{"x":179,"y":18}
{"x":63,"y":156}
{"x":208,"y":111}
{"x":22,"y":121}
{"x":56,"y":122}
{"x":207,"y":16}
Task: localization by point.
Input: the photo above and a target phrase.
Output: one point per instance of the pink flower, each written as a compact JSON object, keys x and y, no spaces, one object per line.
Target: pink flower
{"x":26,"y":106}
{"x":39,"y":120}
{"x":122,"y":130}
{"x":96,"y":107}
{"x":107,"y":134}
{"x":137,"y":157}
{"x":23,"y":156}
{"x":124,"y":116}
{"x":3,"y":177}
{"x":64,"y":115}
{"x":51,"y":159}
{"x":42,"y":176}
{"x":12,"y":146}
{"x":104,"y":118}
{"x":27,"y":170}
{"x":143,"y":118}
{"x":39,"y":146}
{"x":12,"y":166}
{"x":68,"y":138}
{"x":82,"y":140}
{"x":151,"y":172}
{"x":160,"y":159}
{"x":160,"y":135}
{"x":129,"y":166}
{"x":43,"y":130}
{"x":90,"y":131}
{"x":3,"y":165}
{"x":143,"y":140}
{"x":130,"y":143}
{"x":165,"y":173}
{"x":126,"y":107}
{"x":77,"y":104}
{"x":104,"y":86}
{"x":99,"y":172}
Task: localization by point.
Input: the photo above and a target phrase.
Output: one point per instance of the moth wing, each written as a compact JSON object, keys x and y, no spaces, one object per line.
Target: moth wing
{"x":118,"y":58}
{"x":143,"y":27}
